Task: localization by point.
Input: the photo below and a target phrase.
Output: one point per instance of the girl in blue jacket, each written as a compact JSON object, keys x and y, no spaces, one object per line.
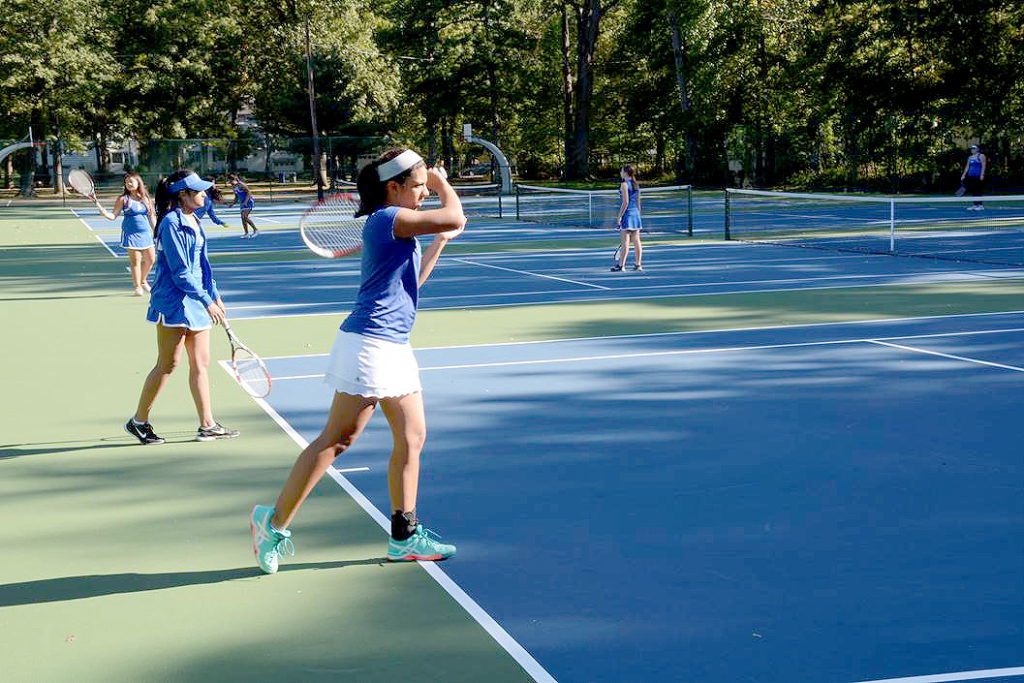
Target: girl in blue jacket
{"x":184,"y":305}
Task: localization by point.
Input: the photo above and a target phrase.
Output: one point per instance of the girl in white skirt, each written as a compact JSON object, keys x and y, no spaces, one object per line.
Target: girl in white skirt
{"x":372,"y":361}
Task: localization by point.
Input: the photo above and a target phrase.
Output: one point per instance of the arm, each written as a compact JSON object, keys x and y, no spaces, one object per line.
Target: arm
{"x":118,"y":205}
{"x":984,"y":166}
{"x":151,"y":214}
{"x":964,"y":174}
{"x":433,"y":252}
{"x":210,"y":212}
{"x":409,"y":223}
{"x":624,"y":191}
{"x":175,"y":249}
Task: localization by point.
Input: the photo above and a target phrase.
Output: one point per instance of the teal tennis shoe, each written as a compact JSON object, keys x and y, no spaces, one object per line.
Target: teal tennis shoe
{"x":267,"y":542}
{"x":422,"y":545}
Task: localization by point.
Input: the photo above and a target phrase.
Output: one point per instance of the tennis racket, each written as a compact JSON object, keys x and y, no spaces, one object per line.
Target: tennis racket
{"x":81,"y":182}
{"x":249,"y":369}
{"x":329,"y":227}
{"x":960,"y":191}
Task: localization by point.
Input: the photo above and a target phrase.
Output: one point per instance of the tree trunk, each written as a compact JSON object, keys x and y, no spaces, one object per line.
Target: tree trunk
{"x":29,"y":173}
{"x":588,"y":21}
{"x":58,"y":166}
{"x":567,"y":91}
{"x":679,"y":54}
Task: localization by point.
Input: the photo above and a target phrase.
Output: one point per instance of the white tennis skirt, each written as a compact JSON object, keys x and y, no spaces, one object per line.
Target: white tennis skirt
{"x":374,"y":368}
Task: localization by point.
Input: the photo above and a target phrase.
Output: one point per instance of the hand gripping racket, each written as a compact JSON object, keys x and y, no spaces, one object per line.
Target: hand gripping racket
{"x":249,"y":369}
{"x":81,"y":182}
{"x":330,"y":229}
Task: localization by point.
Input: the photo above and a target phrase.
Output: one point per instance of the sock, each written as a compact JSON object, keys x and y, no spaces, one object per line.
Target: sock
{"x":403,"y":524}
{"x":137,"y":423}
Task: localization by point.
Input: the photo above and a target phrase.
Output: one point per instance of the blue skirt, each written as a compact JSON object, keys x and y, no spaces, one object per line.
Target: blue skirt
{"x":631,"y":220}
{"x":136,"y":233}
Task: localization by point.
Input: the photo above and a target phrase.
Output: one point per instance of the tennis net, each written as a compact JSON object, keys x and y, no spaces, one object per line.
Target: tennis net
{"x":663,"y":209}
{"x":986,"y":229}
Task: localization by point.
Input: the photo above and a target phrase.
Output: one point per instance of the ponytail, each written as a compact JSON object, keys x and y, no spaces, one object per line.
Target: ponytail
{"x":166,"y":201}
{"x":373,"y":192}
{"x":629,"y":171}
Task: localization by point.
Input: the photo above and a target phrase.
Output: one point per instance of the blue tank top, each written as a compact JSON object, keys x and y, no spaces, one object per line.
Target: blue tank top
{"x":974,"y":166}
{"x":134,"y":219}
{"x":634,"y":193}
{"x":389,"y":287}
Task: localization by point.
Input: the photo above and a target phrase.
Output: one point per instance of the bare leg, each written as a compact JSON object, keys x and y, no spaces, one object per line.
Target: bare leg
{"x":148,"y":259}
{"x":169,"y":343}
{"x":409,"y":429}
{"x":247,"y":222}
{"x":638,"y":249}
{"x":346,"y":421}
{"x":623,"y":247}
{"x":135,"y":268}
{"x":197,"y":344}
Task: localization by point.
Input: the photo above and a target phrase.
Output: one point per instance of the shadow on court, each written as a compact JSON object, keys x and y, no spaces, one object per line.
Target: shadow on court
{"x":82,"y":587}
{"x":18,"y":450}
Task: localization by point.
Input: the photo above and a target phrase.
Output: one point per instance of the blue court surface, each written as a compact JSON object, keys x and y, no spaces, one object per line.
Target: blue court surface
{"x":837,"y":502}
{"x":823,"y":503}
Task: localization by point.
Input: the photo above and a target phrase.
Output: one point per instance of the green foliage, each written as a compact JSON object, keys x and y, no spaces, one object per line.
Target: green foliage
{"x":821,"y":93}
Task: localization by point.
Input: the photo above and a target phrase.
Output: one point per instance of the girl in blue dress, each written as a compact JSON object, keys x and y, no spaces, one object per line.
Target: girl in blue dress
{"x":973,"y":177}
{"x":137,"y":227}
{"x":184,"y":306}
{"x":629,"y":220}
{"x":246,"y":203}
{"x":372,"y":362}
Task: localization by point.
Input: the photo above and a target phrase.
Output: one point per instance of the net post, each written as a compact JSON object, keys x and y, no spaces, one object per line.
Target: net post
{"x":892,"y":226}
{"x":689,"y":210}
{"x":590,"y":210}
{"x":517,"y":202}
{"x":727,"y":237}
{"x":499,"y":203}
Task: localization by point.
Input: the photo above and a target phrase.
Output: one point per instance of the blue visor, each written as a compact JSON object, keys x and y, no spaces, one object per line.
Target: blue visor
{"x":190,"y":182}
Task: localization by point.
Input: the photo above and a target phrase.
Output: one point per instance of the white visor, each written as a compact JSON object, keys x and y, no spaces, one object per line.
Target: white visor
{"x":400,"y":164}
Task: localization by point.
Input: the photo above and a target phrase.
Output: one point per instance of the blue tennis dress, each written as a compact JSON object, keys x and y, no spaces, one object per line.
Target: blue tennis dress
{"x":245,"y":200}
{"x":631,"y":217}
{"x":135,"y":230}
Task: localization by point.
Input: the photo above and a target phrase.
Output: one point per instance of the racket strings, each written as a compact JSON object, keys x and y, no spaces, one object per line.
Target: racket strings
{"x":81,"y":182}
{"x":252,"y":373}
{"x":330,"y":229}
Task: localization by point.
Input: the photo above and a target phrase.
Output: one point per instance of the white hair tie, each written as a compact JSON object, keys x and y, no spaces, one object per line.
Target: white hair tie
{"x":400,"y":164}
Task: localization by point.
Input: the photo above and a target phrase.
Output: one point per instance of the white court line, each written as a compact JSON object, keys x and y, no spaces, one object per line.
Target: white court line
{"x":98,"y":238}
{"x":526,"y":272}
{"x":500,"y":635}
{"x":948,"y":355}
{"x":269,"y":220}
{"x":641,"y":335}
{"x":721,"y":349}
{"x":626,"y":296}
{"x":958,"y":676}
{"x":106,"y":246}
{"x":88,"y":227}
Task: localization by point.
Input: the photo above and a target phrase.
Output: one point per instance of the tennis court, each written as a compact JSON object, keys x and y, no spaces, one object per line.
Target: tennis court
{"x":748,"y":462}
